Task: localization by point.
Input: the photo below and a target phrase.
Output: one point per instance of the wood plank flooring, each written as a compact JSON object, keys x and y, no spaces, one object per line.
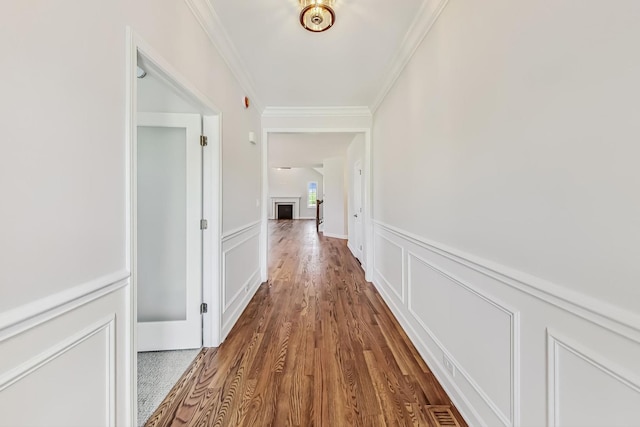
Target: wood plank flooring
{"x":316,"y":346}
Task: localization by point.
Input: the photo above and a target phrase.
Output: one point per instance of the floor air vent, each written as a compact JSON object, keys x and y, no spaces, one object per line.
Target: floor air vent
{"x":442,"y":416}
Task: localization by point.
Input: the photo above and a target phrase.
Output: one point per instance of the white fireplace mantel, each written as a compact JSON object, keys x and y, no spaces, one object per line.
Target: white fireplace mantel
{"x":295,"y":201}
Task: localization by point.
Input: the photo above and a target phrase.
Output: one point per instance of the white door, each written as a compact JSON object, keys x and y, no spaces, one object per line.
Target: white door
{"x":357,"y":209}
{"x":168,"y":262}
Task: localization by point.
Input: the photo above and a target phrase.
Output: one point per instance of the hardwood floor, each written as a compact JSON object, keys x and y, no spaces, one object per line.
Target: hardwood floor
{"x":316,"y":346}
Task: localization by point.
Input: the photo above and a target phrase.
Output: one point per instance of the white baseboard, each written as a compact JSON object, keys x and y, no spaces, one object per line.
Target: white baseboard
{"x":353,"y":252}
{"x":335,"y":236}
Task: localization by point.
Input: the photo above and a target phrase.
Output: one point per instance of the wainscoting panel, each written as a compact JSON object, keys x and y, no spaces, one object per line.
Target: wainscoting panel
{"x":89,"y":393}
{"x":389,"y":266}
{"x":483,"y":330}
{"x":240,"y":272}
{"x":581,"y":384}
{"x":458,"y":317}
{"x":68,"y":365}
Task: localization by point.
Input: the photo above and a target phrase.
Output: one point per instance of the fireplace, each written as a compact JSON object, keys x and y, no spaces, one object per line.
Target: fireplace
{"x":284,"y":211}
{"x":276,"y":201}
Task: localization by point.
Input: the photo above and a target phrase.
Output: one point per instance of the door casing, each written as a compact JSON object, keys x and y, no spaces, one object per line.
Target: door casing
{"x":140,"y":52}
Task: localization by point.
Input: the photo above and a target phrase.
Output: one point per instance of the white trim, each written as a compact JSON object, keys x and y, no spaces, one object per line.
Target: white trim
{"x":450,"y":387}
{"x":233,"y":317}
{"x":212,"y":25}
{"x":32,"y":365}
{"x":240,"y":230}
{"x":211,"y":241}
{"x":555,"y":341}
{"x":335,"y":236}
{"x":606,"y":315}
{"x":131,"y":338}
{"x":508,"y":420}
{"x":311,"y":112}
{"x":224,"y":268}
{"x":403,"y":277}
{"x":136,"y":47}
{"x":350,"y":247}
{"x":243,"y":289}
{"x":425,"y":18}
{"x":20,"y":319}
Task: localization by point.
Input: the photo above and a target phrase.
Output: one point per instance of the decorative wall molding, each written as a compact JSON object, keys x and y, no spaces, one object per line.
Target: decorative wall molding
{"x":468,"y":411}
{"x":512,"y":418}
{"x":556,"y":342}
{"x":403,"y":276}
{"x":233,"y":305}
{"x":279,"y":112}
{"x":425,"y":18}
{"x":25,"y":317}
{"x":32,"y":365}
{"x":243,"y":289}
{"x":613,"y":318}
{"x":240,"y":230}
{"x":213,"y":27}
{"x":225,"y":254}
{"x":232,"y":317}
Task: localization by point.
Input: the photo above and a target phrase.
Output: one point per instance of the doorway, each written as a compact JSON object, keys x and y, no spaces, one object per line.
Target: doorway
{"x":289,"y":151}
{"x":166,"y":118}
{"x":358,"y":227}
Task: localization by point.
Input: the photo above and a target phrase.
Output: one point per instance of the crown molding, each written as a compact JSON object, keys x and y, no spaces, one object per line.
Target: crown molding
{"x":427,"y":16}
{"x":317,"y":112}
{"x":213,"y":27}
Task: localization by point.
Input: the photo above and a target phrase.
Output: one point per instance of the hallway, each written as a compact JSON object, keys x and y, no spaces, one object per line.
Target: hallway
{"x":316,"y":346}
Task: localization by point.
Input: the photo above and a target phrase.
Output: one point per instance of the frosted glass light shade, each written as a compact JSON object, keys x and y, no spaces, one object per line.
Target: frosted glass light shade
{"x":317,"y":15}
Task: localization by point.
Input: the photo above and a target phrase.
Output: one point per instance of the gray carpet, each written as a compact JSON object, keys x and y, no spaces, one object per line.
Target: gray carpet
{"x":158,"y":372}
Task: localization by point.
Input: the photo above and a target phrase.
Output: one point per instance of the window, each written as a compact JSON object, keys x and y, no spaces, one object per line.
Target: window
{"x":312,"y":194}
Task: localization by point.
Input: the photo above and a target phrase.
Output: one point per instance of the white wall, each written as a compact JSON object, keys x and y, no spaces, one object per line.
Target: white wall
{"x":335,"y":198}
{"x":293,"y":183}
{"x":355,"y":153}
{"x":63,"y":242}
{"x":506,"y":207}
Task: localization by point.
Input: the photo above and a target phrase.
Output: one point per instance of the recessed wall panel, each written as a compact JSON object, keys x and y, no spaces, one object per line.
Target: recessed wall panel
{"x":389,"y":264}
{"x":70,"y":386}
{"x":474,"y":330}
{"x":588,"y":392}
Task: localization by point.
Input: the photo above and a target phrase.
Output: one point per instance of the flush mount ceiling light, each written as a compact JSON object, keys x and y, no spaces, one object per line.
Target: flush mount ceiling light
{"x":317,"y":15}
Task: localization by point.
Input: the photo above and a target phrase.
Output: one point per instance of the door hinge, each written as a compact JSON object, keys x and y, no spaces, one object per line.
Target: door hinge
{"x":203,"y":141}
{"x":360,"y":170}
{"x":204,"y":224}
{"x":203,"y":308}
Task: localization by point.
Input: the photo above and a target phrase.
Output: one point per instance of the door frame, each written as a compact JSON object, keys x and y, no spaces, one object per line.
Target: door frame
{"x":367,"y":205}
{"x":358,"y":252}
{"x":139,"y":51}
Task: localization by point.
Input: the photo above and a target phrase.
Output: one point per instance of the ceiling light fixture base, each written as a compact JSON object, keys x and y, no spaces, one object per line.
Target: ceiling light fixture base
{"x":317,"y":15}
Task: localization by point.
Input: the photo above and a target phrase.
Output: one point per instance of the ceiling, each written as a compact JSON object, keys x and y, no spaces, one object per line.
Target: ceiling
{"x":291,"y":67}
{"x":306,"y":149}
